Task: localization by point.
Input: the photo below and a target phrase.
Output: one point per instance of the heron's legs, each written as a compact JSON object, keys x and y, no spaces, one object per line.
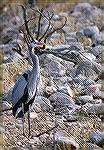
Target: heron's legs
{"x":29,"y":121}
{"x":23,"y":119}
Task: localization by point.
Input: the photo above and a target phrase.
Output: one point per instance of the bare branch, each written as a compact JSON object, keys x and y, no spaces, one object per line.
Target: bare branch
{"x":18,"y":50}
{"x":25,"y":21}
{"x":40,"y":17}
{"x":50,"y":17}
{"x":28,"y":21}
{"x":59,"y":28}
{"x":38,"y":11}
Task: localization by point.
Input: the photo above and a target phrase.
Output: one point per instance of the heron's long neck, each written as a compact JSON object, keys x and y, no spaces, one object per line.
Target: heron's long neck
{"x":35,"y":61}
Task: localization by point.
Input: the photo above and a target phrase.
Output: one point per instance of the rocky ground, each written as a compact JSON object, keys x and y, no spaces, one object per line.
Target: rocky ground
{"x":68,"y":111}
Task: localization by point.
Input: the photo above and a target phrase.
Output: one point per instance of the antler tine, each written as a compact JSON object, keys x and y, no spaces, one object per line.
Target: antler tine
{"x":55,"y":30}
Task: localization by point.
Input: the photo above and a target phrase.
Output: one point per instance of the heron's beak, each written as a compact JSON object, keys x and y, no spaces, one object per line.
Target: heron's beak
{"x":41,"y":44}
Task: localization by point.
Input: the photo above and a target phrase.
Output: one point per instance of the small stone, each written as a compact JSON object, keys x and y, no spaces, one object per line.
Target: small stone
{"x":33,"y":115}
{"x":5,"y":105}
{"x":19,"y":143}
{"x":70,"y":118}
{"x":49,"y":90}
{"x":37,"y":107}
{"x":55,"y":17}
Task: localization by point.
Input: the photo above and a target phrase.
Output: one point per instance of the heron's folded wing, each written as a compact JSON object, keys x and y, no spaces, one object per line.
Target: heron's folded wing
{"x":18,"y":89}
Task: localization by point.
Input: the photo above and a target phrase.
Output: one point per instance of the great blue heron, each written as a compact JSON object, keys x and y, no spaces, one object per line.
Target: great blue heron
{"x":25,"y":88}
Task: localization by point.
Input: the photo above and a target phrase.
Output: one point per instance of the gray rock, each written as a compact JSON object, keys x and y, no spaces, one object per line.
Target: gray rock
{"x":83,"y":99}
{"x":43,"y":102}
{"x":5,"y":105}
{"x":87,"y":145}
{"x":101,"y":38}
{"x":97,"y":50}
{"x":82,"y":7}
{"x":59,"y":81}
{"x":88,"y":68}
{"x":70,"y":118}
{"x":97,"y":138}
{"x":19,"y":148}
{"x":79,"y":33}
{"x":75,"y":56}
{"x":49,"y":90}
{"x":72,"y":46}
{"x":54,"y":68}
{"x":60,"y":100}
{"x":8,"y":96}
{"x":66,"y":89}
{"x":55,"y":17}
{"x":88,"y":56}
{"x":55,"y":35}
{"x":82,"y":81}
{"x":60,"y":47}
{"x":70,"y":40}
{"x":64,"y":140}
{"x":97,"y":109}
{"x":99,"y":94}
{"x":91,"y":31}
{"x":90,"y":146}
{"x":67,"y":64}
{"x":76,"y":46}
{"x":15,"y":22}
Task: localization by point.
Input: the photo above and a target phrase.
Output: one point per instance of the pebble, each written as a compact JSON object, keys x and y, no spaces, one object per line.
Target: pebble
{"x":49,"y":90}
{"x":70,"y":118}
{"x":101,"y":38}
{"x":55,"y":17}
